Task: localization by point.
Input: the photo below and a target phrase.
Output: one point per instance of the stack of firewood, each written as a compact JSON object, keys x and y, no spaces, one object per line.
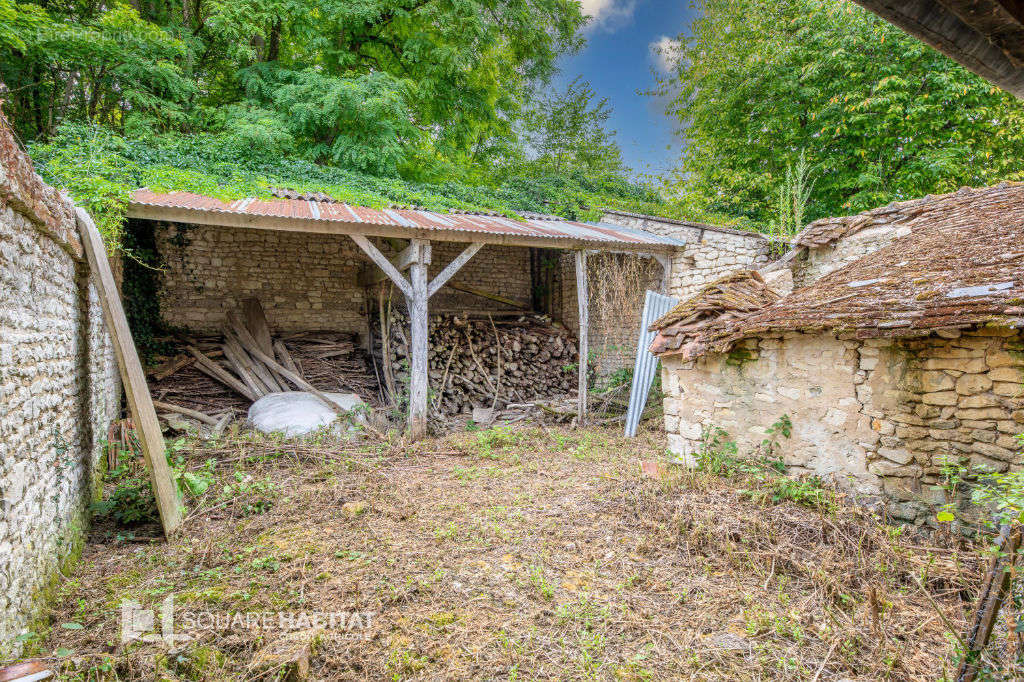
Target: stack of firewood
{"x":480,"y":361}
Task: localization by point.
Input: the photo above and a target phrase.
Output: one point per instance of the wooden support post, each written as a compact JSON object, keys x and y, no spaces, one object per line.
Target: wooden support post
{"x":140,"y":402}
{"x":416,"y":257}
{"x":418,"y":322}
{"x":583,"y":299}
{"x":383,"y":263}
{"x":666,"y":272}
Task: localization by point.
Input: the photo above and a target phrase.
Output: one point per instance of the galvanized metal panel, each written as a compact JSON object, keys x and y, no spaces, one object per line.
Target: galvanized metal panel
{"x":655,"y":305}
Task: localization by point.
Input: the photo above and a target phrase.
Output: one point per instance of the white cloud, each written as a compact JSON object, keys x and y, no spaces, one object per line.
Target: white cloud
{"x":607,"y":15}
{"x":665,"y":53}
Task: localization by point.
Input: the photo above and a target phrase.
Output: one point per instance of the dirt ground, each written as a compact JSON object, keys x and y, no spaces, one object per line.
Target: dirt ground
{"x":530,"y":553}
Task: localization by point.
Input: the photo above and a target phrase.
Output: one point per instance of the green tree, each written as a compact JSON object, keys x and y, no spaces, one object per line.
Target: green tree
{"x":568,"y":131}
{"x":98,"y":67}
{"x":419,"y":87}
{"x":880,"y":115}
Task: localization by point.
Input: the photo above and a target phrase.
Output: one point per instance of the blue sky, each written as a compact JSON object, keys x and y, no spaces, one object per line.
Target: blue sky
{"x":619,"y":61}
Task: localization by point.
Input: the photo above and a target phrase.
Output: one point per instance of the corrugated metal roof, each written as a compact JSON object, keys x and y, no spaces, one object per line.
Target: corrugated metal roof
{"x":329,"y":211}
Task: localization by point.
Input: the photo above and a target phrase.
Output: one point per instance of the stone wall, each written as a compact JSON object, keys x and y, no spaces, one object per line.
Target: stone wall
{"x":307,"y":281}
{"x":59,"y":389}
{"x":825,"y":259}
{"x":878,"y":416}
{"x":711,"y":252}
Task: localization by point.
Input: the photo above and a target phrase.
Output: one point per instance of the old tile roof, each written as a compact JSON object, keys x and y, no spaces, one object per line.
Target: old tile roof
{"x":960,"y":265}
{"x":827,"y":230}
{"x":727,"y":299}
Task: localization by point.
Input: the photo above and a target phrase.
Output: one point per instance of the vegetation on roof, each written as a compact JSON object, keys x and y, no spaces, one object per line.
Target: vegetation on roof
{"x":100,"y":167}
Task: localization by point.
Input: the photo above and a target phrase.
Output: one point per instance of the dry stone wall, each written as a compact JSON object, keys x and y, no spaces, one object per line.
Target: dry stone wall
{"x":822,"y":260}
{"x":879,"y":416}
{"x":59,"y":389}
{"x":711,"y":252}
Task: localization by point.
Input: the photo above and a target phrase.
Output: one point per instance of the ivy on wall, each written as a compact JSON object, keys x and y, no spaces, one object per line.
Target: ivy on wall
{"x":141,"y":288}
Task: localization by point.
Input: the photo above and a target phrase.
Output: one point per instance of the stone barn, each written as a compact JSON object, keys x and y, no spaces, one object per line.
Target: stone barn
{"x":886,"y":361}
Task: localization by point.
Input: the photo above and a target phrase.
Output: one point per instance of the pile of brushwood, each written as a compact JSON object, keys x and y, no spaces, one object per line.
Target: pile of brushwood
{"x":226,"y":372}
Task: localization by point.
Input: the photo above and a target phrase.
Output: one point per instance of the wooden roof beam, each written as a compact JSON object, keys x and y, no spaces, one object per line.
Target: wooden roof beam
{"x":934,"y":23}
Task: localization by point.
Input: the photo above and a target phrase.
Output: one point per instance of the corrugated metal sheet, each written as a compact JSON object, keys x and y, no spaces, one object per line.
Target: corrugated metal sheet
{"x":655,"y":306}
{"x":317,"y":210}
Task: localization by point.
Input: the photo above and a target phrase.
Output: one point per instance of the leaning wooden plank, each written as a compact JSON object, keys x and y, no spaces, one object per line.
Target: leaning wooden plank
{"x":256,"y":322}
{"x":234,"y":331}
{"x":285,"y":358}
{"x":212,"y":369}
{"x":184,"y":411}
{"x":255,"y":319}
{"x":383,"y":263}
{"x":583,"y":301}
{"x":249,"y":344}
{"x":136,"y":390}
{"x":255,"y":366}
{"x":242,"y":369}
{"x":488,"y":295}
{"x":442,"y":277}
{"x":171,"y":366}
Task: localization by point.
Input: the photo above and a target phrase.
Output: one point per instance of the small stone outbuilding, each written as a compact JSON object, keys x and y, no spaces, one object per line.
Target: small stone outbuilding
{"x":903,"y":346}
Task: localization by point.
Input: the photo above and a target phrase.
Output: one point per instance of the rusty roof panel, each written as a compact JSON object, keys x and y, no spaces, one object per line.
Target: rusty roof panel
{"x":311,"y":207}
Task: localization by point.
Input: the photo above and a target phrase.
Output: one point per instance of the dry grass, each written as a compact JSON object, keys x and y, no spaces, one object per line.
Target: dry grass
{"x":534,"y":553}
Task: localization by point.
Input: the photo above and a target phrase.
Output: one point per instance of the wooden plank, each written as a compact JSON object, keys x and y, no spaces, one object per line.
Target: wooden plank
{"x":195,"y":414}
{"x":255,"y":318}
{"x":453,"y":267}
{"x":171,"y":366}
{"x":990,"y":600}
{"x":215,"y":371}
{"x":233,"y":353}
{"x":518,"y":305}
{"x":383,"y":263}
{"x":583,"y":300}
{"x":284,"y":357}
{"x":249,"y":344}
{"x":140,"y":402}
{"x":265,"y":375}
{"x":418,"y":378}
